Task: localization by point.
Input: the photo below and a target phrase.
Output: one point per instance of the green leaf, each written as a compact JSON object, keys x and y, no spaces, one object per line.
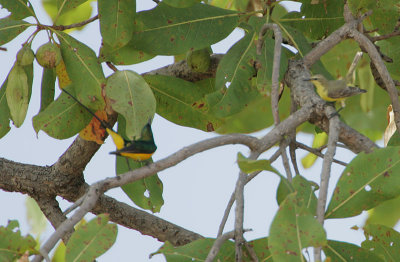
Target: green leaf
{"x":4,"y":111}
{"x":387,"y":213}
{"x":384,"y":13}
{"x":84,"y":71}
{"x":299,"y":41}
{"x":36,"y":219}
{"x":12,"y":244}
{"x":145,"y":193}
{"x":182,"y":102}
{"x":293,"y":229}
{"x":316,"y":19}
{"x":9,"y":29}
{"x":17,"y":94}
{"x":260,"y":247}
{"x":130,"y":95}
{"x":19,"y":9}
{"x":264,"y":73}
{"x":233,"y":79}
{"x":338,"y":60}
{"x":342,"y":251}
{"x":59,"y":254}
{"x":47,"y":88}
{"x":197,"y":251}
{"x":249,"y":166}
{"x":67,"y":5}
{"x":75,"y":15}
{"x":165,"y":30}
{"x":116,"y":25}
{"x":305,"y":191}
{"x":63,"y":118}
{"x":382,"y":241}
{"x":91,"y":240}
{"x":126,"y":55}
{"x":394,"y":140}
{"x":181,"y":3}
{"x":320,"y":139}
{"x":367,"y":181}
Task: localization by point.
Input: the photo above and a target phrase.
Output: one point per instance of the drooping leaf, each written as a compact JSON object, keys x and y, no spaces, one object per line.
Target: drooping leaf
{"x":36,"y":219}
{"x":382,"y":241}
{"x":63,"y":118}
{"x":367,"y":181}
{"x":84,"y":71}
{"x":19,"y":9}
{"x":12,"y":244}
{"x":62,"y":75}
{"x":47,"y":88}
{"x":182,"y":102}
{"x":165,"y":30}
{"x":319,"y":140}
{"x":17,"y":94}
{"x":9,"y":29}
{"x":91,"y":240}
{"x":342,"y":251}
{"x":233,"y":79}
{"x":293,"y":229}
{"x":4,"y":111}
{"x":126,"y":55}
{"x":145,"y":193}
{"x":116,"y":21}
{"x":129,"y":95}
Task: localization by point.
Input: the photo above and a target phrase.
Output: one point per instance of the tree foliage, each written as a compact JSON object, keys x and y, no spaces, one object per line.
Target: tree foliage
{"x":233,"y":94}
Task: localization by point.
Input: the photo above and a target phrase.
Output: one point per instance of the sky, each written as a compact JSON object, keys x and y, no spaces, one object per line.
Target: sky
{"x":195,"y":192}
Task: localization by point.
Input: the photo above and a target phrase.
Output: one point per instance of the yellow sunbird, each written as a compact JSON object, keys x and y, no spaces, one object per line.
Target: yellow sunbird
{"x":138,"y":149}
{"x":334,"y":90}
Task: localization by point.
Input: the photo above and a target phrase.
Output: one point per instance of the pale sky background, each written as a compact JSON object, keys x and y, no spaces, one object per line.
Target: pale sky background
{"x":195,"y":192}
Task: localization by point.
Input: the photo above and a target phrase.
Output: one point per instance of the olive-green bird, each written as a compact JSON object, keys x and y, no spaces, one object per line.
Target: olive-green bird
{"x":334,"y":90}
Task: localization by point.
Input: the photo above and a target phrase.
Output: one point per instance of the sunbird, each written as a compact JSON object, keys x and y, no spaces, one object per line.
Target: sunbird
{"x":334,"y":90}
{"x":138,"y":149}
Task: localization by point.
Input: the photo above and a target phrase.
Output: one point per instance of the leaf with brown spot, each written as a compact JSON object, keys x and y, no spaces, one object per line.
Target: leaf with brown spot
{"x":94,"y":131}
{"x":367,"y":181}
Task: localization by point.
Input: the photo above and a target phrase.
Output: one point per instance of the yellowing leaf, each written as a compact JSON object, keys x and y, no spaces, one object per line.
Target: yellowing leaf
{"x":93,"y":131}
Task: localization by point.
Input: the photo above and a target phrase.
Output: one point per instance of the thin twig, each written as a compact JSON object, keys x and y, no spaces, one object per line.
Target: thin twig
{"x":353,"y":66}
{"x":75,"y":25}
{"x":275,"y":84}
{"x":251,"y":251}
{"x":218,"y":243}
{"x":383,"y":37}
{"x":317,"y":152}
{"x":326,"y":170}
{"x":90,"y":201}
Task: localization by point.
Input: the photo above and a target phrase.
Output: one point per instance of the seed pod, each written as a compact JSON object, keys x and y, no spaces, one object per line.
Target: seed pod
{"x":25,"y":56}
{"x":48,"y":55}
{"x":199,"y":60}
{"x":17,"y":94}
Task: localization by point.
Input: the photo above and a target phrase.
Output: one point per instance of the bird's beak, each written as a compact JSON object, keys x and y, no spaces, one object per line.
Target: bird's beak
{"x":307,"y":79}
